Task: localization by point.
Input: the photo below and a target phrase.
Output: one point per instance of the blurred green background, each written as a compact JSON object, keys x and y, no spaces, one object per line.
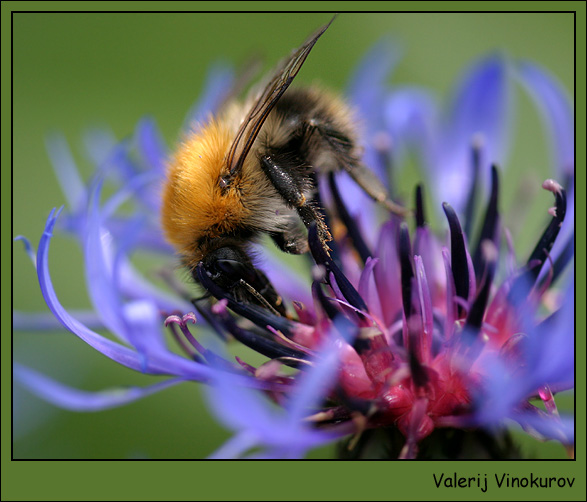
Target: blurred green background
{"x":73,"y":71}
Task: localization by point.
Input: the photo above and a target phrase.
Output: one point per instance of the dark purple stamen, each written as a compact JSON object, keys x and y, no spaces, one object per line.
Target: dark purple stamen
{"x":420,"y":215}
{"x":477,"y":311}
{"x":526,"y":280}
{"x":546,"y":242}
{"x":260,"y":316}
{"x":489,"y":231}
{"x":458,"y":254}
{"x":342,"y":323}
{"x":180,"y":341}
{"x":419,"y":375}
{"x":208,"y":355}
{"x":349,"y":222}
{"x":563,"y":259}
{"x":329,"y":307}
{"x":469,"y":212}
{"x":264,"y":346}
{"x":321,"y":257}
{"x":210,"y":318}
{"x":407,"y":268}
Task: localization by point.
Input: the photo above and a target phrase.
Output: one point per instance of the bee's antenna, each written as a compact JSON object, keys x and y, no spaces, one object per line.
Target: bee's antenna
{"x":258,"y":296}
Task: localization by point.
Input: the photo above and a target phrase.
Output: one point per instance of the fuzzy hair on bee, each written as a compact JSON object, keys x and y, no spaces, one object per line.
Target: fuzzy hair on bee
{"x":254,"y":169}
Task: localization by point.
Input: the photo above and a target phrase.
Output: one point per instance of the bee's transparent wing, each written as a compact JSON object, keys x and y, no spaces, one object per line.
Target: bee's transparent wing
{"x":278,"y":84}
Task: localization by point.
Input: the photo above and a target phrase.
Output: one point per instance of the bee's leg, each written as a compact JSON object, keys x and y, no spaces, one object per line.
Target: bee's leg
{"x":341,"y":147}
{"x":373,"y":187}
{"x":292,"y":240}
{"x":279,"y":171}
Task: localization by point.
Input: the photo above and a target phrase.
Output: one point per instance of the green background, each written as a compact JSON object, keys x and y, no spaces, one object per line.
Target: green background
{"x":71,"y":71}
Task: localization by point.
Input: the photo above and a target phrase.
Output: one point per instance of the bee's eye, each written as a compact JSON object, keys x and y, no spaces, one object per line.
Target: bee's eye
{"x":235,"y":269}
{"x":228,"y":265}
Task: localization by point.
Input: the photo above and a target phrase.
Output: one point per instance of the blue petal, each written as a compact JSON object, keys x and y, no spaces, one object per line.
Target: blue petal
{"x":411,"y":117}
{"x":45,"y":321}
{"x":258,"y":422}
{"x":479,"y":112}
{"x":66,"y":170}
{"x":558,"y":117}
{"x":235,"y":447}
{"x":100,"y":143}
{"x":166,"y":363}
{"x":27,"y":247}
{"x":547,"y":356}
{"x":111,"y":349}
{"x":218,"y":84}
{"x":557,"y":114}
{"x":366,"y":93}
{"x":359,"y":205}
{"x":368,"y":83}
{"x":286,"y":279}
{"x":77,"y":400}
{"x":98,"y":257}
{"x":150,"y":145}
{"x":134,"y":285}
{"x":549,"y":426}
{"x":552,"y":354}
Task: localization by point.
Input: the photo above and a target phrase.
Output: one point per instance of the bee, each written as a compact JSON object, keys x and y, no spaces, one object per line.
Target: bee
{"x":254,"y":169}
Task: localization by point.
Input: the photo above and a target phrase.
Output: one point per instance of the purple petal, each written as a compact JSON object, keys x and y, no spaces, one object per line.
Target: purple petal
{"x":425,"y":310}
{"x":77,"y":400}
{"x":429,"y":248}
{"x":313,"y":385}
{"x":389,"y":292}
{"x":364,"y":285}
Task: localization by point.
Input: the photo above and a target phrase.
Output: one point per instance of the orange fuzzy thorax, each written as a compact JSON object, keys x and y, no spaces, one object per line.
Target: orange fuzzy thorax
{"x":194,"y":206}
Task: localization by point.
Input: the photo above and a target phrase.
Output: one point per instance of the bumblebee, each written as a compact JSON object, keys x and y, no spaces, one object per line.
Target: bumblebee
{"x":253,"y":169}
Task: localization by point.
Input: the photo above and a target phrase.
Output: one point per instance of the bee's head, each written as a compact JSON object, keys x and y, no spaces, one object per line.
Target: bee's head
{"x":231,"y":269}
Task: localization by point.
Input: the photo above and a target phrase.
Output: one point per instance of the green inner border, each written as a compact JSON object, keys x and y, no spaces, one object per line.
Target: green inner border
{"x":329,"y":480}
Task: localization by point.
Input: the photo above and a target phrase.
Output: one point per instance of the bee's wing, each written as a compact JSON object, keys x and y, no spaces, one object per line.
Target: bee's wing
{"x":278,"y":84}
